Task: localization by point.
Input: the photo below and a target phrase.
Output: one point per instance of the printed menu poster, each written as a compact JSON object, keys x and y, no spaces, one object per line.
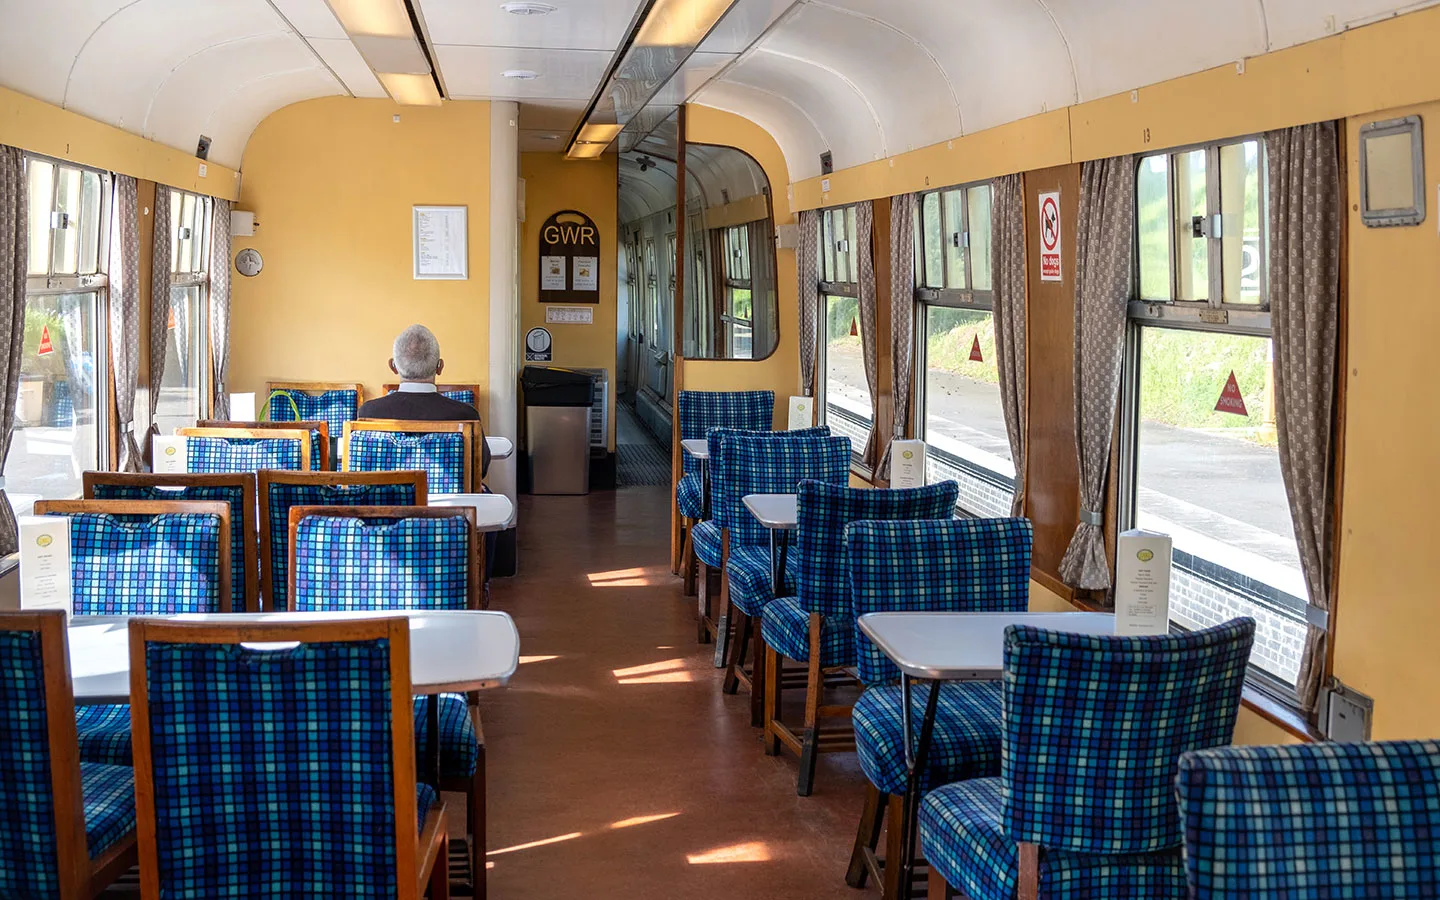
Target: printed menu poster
{"x":907,"y":464}
{"x":587,"y":273}
{"x":441,"y":243}
{"x":168,"y":454}
{"x":45,"y":562}
{"x":802,"y":413}
{"x":1142,"y":583}
{"x":552,"y":273}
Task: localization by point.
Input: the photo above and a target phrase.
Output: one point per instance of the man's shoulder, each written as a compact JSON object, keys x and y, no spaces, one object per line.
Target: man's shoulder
{"x":421,"y":407}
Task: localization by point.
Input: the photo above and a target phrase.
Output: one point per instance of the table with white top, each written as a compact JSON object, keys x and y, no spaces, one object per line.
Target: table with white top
{"x":493,"y":512}
{"x":778,"y":514}
{"x":936,"y":647}
{"x":699,"y":449}
{"x":500,"y":447}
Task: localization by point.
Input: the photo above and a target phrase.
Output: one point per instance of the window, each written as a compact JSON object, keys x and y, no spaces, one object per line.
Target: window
{"x":963,"y":421}
{"x":652,"y":292}
{"x":1202,"y":463}
{"x":847,"y":406}
{"x":183,"y":386}
{"x":737,"y":316}
{"x":58,"y":432}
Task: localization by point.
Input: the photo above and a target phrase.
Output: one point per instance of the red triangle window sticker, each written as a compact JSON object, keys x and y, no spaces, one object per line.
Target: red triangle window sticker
{"x":1230,"y":399}
{"x":855,"y":327}
{"x":46,"y":348}
{"x":975,"y":354}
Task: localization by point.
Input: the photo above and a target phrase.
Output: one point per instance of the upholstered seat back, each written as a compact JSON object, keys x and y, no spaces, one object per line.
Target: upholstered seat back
{"x":223,"y":454}
{"x":715,"y":444}
{"x":822,"y":513}
{"x":334,"y":407}
{"x":28,"y":853}
{"x":954,"y":565}
{"x":135,"y":565}
{"x":700,"y":411}
{"x":770,"y":464}
{"x":1095,"y":727}
{"x":440,"y":455}
{"x":348,"y":563}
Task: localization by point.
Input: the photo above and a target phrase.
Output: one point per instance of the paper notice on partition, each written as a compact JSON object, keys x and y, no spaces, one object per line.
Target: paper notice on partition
{"x":169,"y":454}
{"x":907,"y":464}
{"x":587,"y":274}
{"x":552,"y":273}
{"x":242,"y":408}
{"x":1142,"y":583}
{"x":441,"y":243}
{"x":45,"y":562}
{"x":802,"y":413}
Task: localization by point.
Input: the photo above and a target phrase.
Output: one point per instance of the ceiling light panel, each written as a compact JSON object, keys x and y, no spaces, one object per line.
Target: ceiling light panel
{"x":595,"y":132}
{"x":387,"y":54}
{"x":411,"y":90}
{"x":680,"y":23}
{"x":586,"y":151}
{"x":383,"y":18}
{"x":575,"y":24}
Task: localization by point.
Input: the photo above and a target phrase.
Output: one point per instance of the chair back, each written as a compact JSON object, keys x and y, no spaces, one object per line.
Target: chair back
{"x":220,"y":450}
{"x":42,"y":820}
{"x":444,"y":451}
{"x":715,"y":445}
{"x":1312,"y":820}
{"x":332,"y":402}
{"x":278,"y":770}
{"x":365,"y":558}
{"x":146,"y":557}
{"x":282,"y":491}
{"x":319,"y":436}
{"x":1095,"y":727}
{"x":237,"y":489}
{"x":955,"y":565}
{"x":770,"y":464}
{"x":464,"y":393}
{"x":700,"y":411}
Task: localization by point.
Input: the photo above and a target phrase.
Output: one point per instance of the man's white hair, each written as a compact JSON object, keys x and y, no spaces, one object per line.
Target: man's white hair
{"x":417,"y":354}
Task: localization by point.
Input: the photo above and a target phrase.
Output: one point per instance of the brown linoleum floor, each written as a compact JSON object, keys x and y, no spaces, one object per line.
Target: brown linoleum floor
{"x":617,"y":768}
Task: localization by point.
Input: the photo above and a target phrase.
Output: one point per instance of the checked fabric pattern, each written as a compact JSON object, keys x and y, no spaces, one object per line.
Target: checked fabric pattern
{"x":283,"y":496}
{"x":215,"y":455}
{"x":145,"y":565}
{"x":459,"y":745}
{"x":441,"y":455}
{"x":334,"y":408}
{"x":705,"y":538}
{"x":348,"y":564}
{"x":466,"y":396}
{"x":108,"y":793}
{"x":958,"y":565}
{"x":273,"y":770}
{"x":701,"y":411}
{"x":239,"y":521}
{"x":785,"y":624}
{"x":1312,"y":820}
{"x":715,"y":442}
{"x":690,"y":495}
{"x":104,"y":733}
{"x":751,"y":584}
{"x":769,"y":464}
{"x":964,"y":744}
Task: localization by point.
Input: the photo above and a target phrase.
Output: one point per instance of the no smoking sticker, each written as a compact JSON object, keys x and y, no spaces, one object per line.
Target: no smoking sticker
{"x":1050,"y":267}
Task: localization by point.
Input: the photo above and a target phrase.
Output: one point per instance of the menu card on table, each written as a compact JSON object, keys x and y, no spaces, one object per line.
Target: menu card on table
{"x":45,"y":562}
{"x":802,"y":413}
{"x":168,"y":454}
{"x":1142,"y":582}
{"x":907,"y":464}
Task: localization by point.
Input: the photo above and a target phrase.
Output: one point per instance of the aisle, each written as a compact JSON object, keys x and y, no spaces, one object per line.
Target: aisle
{"x":617,"y":769}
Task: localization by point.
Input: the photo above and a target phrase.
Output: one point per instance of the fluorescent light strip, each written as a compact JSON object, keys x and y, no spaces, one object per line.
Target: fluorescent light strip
{"x":385,"y":18}
{"x":599,"y":133}
{"x":680,"y":23}
{"x":410,"y":90}
{"x":586,"y":151}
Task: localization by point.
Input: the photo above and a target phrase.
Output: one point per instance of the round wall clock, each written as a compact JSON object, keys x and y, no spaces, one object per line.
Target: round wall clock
{"x":248,"y":262}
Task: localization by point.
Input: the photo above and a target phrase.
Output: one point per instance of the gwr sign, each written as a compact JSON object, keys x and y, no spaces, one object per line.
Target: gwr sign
{"x":569,"y":259}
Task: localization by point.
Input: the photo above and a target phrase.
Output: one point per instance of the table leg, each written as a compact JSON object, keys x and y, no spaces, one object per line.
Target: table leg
{"x":432,"y":728}
{"x":704,"y":489}
{"x":912,"y":783}
{"x":779,"y":546}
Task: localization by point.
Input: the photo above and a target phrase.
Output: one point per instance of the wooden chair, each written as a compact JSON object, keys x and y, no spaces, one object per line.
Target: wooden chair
{"x":199,"y":751}
{"x":219,"y":450}
{"x":236,"y":488}
{"x":280,"y":491}
{"x":319,"y":435}
{"x":418,"y":557}
{"x":67,"y":828}
{"x":448,"y":452}
{"x":464,"y":393}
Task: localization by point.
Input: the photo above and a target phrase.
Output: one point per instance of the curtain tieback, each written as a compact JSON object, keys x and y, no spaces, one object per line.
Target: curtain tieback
{"x":1091,"y":517}
{"x":127,"y":427}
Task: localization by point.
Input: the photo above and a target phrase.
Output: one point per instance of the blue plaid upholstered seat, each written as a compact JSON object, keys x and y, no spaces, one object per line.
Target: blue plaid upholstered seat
{"x":1312,"y":820}
{"x":292,"y":744}
{"x":334,"y":408}
{"x":466,"y":396}
{"x":215,"y":454}
{"x":145,"y":565}
{"x":346,"y":563}
{"x":281,"y":497}
{"x":1094,"y":728}
{"x":823,"y":576}
{"x":440,"y":455}
{"x":104,"y":733}
{"x":690,"y":497}
{"x":459,"y":744}
{"x":701,"y":411}
{"x":964,"y":744}
{"x":705,"y":537}
{"x":751,"y":583}
{"x":27,"y":805}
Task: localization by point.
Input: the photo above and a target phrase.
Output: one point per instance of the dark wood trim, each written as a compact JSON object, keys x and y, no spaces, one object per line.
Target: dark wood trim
{"x":470,"y":483}
{"x":677,"y":368}
{"x":1287,"y":718}
{"x":308,"y":425}
{"x":217,"y":508}
{"x":1052,"y":584}
{"x":261,"y":434}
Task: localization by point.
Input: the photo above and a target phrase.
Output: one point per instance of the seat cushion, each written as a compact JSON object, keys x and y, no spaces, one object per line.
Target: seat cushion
{"x":459,"y":745}
{"x":688,"y":497}
{"x":751,"y":586}
{"x":786,"y":627}
{"x":425,"y":797}
{"x":104,"y":733}
{"x":705,"y":537}
{"x":964,"y":744}
{"x":962,"y":838}
{"x":109,"y":794}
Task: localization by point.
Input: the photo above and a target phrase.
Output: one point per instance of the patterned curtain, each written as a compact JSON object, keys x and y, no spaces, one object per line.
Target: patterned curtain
{"x":1104,"y":275}
{"x":763,"y":307}
{"x":1007,"y":263}
{"x":902,"y":318}
{"x":808,"y":263}
{"x":869,"y":324}
{"x":1305,"y":227}
{"x":125,"y":314}
{"x":220,"y":309}
{"x":159,"y":303}
{"x":14,"y":261}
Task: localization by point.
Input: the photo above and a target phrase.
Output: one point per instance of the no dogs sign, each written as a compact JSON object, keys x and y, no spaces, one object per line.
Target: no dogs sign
{"x":1050,"y":236}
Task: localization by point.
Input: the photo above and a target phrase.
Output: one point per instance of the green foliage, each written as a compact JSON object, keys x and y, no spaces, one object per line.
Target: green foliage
{"x":1182,"y":374}
{"x":950,"y":336}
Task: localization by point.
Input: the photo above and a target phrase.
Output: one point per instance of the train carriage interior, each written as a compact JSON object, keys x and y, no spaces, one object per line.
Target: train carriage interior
{"x":718,"y":448}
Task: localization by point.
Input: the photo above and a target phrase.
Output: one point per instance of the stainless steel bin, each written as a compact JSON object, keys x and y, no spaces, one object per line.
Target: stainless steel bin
{"x":557,"y":429}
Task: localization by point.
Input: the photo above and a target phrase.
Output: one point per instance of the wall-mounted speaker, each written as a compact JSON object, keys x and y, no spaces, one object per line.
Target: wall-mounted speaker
{"x":202,"y":150}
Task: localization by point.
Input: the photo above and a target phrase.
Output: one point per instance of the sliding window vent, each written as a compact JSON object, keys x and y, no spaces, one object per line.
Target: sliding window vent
{"x":599,"y":408}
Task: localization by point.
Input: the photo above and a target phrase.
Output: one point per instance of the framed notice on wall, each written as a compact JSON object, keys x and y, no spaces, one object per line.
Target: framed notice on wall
{"x":442,"y":243}
{"x":569,"y":259}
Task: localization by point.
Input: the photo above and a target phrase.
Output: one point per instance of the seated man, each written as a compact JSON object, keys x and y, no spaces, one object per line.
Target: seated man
{"x":417,"y":361}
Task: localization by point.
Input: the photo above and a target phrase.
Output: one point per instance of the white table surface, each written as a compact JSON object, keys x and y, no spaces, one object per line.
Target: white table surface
{"x":493,"y":512}
{"x":963,"y":646}
{"x":774,"y":511}
{"x":459,"y":650}
{"x":500,"y":447}
{"x":699,"y":448}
